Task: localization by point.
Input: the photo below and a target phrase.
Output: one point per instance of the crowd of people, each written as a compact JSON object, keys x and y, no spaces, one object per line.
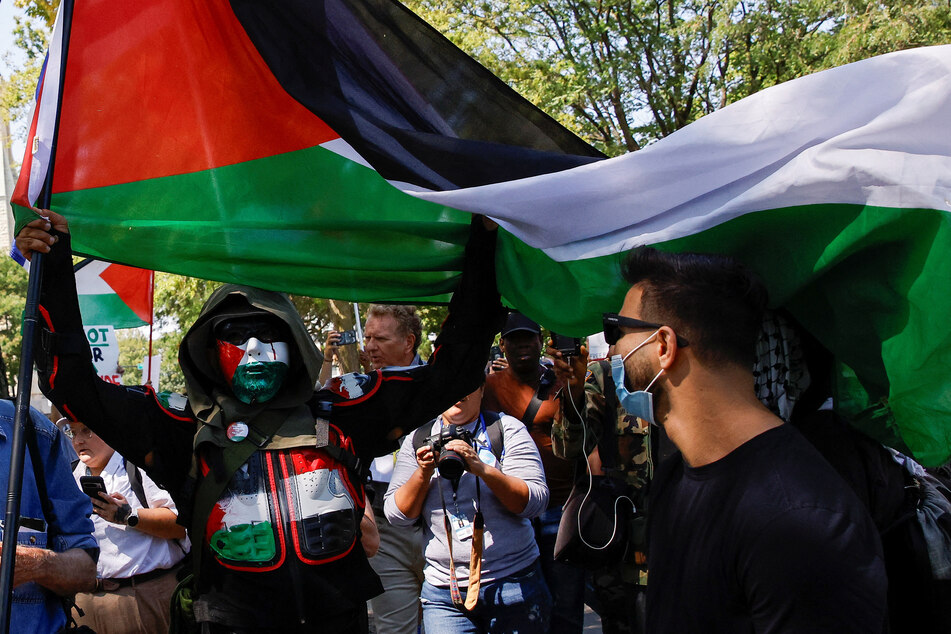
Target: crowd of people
{"x":438,"y":491}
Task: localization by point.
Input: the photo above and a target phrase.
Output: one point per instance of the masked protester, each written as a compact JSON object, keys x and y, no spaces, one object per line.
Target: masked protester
{"x":266,"y":472}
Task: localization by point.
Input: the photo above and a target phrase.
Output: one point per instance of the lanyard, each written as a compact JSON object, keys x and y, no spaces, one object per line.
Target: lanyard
{"x":478,"y":527}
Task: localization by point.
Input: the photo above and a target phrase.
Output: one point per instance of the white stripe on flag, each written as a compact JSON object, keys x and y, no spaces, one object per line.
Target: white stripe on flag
{"x":46,"y":122}
{"x":875,"y":132}
{"x":89,"y":280}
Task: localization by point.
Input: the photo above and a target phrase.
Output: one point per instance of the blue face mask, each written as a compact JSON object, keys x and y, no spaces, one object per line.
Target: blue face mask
{"x":641,"y":402}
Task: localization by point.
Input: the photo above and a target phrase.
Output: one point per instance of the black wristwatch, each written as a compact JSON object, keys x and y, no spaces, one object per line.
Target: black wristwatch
{"x":127,"y":516}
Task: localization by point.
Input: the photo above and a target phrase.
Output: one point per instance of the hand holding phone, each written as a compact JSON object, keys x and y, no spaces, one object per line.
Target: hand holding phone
{"x":347,"y":337}
{"x":92,"y":486}
{"x":568,"y":346}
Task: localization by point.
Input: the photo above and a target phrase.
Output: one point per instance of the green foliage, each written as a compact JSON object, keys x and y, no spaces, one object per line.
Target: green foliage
{"x":13,"y":282}
{"x":623,"y":73}
{"x":432,"y":318}
{"x":32,"y":29}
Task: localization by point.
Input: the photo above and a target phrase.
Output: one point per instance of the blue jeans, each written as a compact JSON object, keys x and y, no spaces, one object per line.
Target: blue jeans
{"x":519,"y":603}
{"x":565,"y":582}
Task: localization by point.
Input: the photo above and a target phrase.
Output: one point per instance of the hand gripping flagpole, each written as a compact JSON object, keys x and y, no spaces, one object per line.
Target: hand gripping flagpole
{"x":11,"y":522}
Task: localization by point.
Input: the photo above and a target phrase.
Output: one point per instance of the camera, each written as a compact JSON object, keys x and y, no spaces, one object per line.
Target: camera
{"x":450,"y":464}
{"x":347,"y":337}
{"x":568,"y":346}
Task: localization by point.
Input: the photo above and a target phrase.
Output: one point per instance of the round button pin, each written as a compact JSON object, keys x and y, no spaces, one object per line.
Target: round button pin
{"x":237,"y":432}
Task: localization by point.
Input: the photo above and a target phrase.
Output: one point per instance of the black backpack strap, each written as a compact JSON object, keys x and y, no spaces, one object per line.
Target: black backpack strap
{"x":358,"y":470}
{"x":528,"y":416}
{"x":421,"y":434}
{"x":545,"y":384}
{"x":135,"y":481}
{"x":493,"y":429}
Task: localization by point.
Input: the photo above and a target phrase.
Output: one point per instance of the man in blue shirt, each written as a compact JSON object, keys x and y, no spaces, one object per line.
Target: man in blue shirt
{"x":60,"y":560}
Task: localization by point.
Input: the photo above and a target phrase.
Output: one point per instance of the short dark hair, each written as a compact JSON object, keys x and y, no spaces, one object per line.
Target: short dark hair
{"x":407,"y":319}
{"x":713,"y":301}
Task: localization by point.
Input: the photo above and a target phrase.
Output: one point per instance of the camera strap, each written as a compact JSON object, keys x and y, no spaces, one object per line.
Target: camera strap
{"x":475,"y":554}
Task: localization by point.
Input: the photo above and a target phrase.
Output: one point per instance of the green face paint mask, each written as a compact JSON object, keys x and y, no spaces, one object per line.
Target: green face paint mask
{"x":258,"y":382}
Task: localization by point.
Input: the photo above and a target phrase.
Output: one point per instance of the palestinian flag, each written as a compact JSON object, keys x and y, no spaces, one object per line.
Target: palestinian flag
{"x":327,"y":148}
{"x":113,"y":294}
{"x":234,"y":141}
{"x":835,"y":188}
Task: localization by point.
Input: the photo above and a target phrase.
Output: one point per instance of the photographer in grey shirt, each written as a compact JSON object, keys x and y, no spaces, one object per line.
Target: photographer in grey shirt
{"x":509,"y":491}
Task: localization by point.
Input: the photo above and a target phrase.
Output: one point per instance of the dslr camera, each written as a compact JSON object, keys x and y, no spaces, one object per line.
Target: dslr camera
{"x":450,"y":464}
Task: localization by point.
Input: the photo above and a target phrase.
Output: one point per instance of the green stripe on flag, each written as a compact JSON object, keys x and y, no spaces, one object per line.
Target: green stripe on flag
{"x":869,"y":282}
{"x":108,"y":309}
{"x":278,"y":222}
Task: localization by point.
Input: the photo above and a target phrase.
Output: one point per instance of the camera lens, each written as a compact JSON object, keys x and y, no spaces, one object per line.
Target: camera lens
{"x":451,"y":465}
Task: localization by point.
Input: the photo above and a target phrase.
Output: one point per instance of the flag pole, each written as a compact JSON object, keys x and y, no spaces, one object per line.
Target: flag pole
{"x":11,"y":524}
{"x":359,"y":326}
{"x":148,"y":380}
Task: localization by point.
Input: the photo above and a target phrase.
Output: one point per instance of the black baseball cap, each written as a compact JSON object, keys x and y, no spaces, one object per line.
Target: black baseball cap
{"x":517,"y":321}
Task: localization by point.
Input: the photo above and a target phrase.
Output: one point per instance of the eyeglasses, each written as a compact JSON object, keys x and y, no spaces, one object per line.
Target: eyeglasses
{"x":264,"y":329}
{"x":612,"y":323}
{"x":85,"y":433}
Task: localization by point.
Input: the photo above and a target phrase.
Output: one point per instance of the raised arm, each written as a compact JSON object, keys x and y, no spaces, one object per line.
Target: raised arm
{"x":129,"y":419}
{"x":405,"y":399}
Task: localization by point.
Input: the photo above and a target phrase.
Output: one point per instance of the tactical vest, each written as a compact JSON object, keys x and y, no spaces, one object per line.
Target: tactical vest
{"x":299,"y":502}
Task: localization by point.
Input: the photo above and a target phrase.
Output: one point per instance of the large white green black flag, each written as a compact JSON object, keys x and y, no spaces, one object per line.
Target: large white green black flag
{"x":835,"y":188}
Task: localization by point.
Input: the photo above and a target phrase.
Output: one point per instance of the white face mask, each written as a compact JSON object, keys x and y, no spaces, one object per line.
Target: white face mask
{"x":641,"y":402}
{"x":255,"y":369}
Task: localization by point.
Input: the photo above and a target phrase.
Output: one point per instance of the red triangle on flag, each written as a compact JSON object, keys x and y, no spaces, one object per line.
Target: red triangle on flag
{"x":133,"y":286}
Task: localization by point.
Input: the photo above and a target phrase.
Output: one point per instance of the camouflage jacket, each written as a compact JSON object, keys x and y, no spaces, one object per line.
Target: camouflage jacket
{"x":601,"y":413}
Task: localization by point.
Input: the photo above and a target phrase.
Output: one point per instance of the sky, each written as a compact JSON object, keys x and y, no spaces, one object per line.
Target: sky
{"x":8,"y":52}
{"x":10,"y":55}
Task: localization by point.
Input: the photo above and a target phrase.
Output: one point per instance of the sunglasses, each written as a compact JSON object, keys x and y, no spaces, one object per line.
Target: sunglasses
{"x":612,"y":323}
{"x":264,"y":329}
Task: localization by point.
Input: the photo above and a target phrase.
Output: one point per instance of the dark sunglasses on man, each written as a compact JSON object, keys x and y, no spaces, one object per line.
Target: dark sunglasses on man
{"x":264,"y":328}
{"x":612,"y":323}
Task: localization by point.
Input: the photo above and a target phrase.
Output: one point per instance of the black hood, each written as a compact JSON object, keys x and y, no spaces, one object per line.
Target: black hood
{"x":208,"y":391}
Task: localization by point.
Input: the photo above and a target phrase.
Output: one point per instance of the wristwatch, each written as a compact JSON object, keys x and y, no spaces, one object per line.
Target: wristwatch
{"x":133,"y":520}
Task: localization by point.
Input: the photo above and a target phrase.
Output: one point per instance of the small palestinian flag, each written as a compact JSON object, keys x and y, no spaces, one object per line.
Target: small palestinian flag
{"x":113,"y":294}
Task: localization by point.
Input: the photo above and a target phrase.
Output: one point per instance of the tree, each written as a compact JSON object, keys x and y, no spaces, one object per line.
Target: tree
{"x":623,"y":73}
{"x":31,"y":35}
{"x":13,"y":282}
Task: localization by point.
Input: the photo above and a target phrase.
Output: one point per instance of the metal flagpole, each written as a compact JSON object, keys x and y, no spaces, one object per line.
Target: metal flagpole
{"x":357,"y":324}
{"x":148,"y":380}
{"x":11,"y":523}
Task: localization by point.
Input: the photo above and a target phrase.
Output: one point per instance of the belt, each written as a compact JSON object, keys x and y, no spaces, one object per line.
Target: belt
{"x":111,"y":585}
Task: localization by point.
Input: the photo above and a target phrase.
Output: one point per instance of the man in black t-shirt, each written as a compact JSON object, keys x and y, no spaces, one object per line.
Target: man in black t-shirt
{"x":751,"y":531}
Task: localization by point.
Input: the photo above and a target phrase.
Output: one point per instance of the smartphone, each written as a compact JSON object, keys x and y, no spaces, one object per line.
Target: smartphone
{"x":92,"y":485}
{"x":347,"y":337}
{"x":495,"y":352}
{"x":568,"y":346}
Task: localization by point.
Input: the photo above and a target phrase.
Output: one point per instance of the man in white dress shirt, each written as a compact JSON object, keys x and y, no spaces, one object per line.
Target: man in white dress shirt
{"x":140,"y":542}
